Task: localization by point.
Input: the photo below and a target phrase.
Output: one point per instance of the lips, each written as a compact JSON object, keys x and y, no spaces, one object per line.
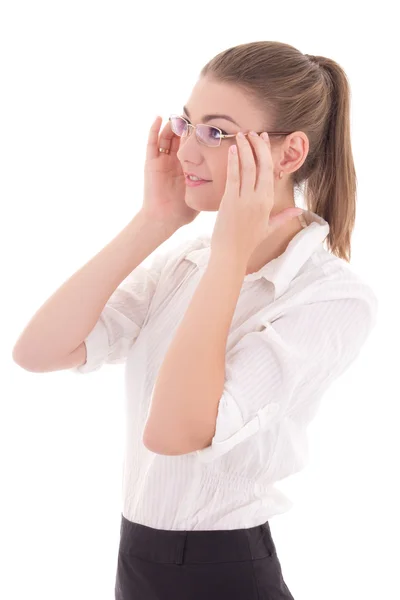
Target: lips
{"x":194,"y":175}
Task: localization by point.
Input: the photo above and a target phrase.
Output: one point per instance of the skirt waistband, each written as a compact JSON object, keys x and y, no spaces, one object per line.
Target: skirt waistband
{"x":179,"y":547}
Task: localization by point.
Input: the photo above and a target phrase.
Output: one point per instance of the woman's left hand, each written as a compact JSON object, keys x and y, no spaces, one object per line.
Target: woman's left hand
{"x":243,"y":219}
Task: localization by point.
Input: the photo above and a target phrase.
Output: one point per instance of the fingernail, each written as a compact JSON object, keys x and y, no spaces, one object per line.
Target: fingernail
{"x":253,"y":133}
{"x":264,"y":136}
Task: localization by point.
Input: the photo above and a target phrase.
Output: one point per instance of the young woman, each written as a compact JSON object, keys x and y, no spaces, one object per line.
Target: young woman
{"x":231,"y":340}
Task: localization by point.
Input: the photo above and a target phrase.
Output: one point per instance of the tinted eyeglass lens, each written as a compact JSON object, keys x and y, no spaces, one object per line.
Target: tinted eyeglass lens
{"x":208,"y":135}
{"x":179,"y":126}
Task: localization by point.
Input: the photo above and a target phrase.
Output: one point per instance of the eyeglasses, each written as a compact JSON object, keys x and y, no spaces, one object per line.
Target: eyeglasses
{"x":208,"y":135}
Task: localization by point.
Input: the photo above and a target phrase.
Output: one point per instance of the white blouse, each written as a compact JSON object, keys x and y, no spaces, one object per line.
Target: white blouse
{"x":299,"y":323}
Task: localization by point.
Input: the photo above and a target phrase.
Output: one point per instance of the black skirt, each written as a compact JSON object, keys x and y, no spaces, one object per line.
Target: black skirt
{"x":161,"y":564}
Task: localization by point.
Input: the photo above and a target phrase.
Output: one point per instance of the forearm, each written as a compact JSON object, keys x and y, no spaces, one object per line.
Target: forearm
{"x":191,"y":379}
{"x":68,"y":316}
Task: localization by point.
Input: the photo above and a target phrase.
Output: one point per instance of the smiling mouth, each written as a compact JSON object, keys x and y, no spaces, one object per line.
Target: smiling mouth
{"x":188,"y":177}
{"x":191,"y":182}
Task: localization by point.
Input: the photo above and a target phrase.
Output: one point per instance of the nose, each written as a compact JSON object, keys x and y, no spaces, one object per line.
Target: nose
{"x":189,"y":145}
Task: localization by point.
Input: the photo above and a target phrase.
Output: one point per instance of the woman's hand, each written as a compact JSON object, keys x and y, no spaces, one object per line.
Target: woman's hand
{"x":164,"y":180}
{"x":243,"y":219}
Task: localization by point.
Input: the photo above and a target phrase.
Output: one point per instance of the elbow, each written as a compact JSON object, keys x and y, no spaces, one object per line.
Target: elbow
{"x":175,"y":446}
{"x":170,"y":436}
{"x":19,"y":360}
{"x":162,"y":447}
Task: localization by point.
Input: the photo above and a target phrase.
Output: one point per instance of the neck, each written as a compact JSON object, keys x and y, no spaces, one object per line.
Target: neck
{"x":274,"y":245}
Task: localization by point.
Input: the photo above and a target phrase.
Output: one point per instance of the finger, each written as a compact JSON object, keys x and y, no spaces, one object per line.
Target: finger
{"x":264,"y":157}
{"x":247,"y":164}
{"x":232,"y":185}
{"x":165,"y":139}
{"x":168,"y":139}
{"x":175,"y":144}
{"x":152,"y":140}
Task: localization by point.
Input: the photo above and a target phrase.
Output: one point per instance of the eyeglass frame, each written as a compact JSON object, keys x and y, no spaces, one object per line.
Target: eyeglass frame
{"x":222,"y":135}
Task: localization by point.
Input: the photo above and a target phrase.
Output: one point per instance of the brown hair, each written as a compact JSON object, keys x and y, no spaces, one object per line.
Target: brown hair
{"x":300,"y":92}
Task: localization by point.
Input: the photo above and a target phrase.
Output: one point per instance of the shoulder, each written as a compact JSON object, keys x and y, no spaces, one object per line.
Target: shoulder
{"x":332,"y":278}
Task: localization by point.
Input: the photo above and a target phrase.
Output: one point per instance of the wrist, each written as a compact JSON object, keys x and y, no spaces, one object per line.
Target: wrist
{"x":228,"y":259}
{"x":164,"y":226}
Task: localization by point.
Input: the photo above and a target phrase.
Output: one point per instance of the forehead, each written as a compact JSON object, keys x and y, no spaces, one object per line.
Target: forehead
{"x":209,"y":96}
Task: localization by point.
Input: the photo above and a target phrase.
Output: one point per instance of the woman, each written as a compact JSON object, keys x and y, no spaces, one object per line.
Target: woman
{"x":229,"y":342}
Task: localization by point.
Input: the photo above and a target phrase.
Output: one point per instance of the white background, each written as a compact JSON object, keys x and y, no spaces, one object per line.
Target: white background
{"x":81,"y":83}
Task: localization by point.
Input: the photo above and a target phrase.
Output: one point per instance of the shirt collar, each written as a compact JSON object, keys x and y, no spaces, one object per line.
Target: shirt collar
{"x":281,"y":270}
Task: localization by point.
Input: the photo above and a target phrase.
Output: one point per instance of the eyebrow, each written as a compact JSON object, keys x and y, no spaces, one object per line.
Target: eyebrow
{"x":210,"y":117}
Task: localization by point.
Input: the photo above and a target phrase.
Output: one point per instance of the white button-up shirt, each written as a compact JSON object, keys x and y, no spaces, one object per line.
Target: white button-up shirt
{"x":299,"y":323}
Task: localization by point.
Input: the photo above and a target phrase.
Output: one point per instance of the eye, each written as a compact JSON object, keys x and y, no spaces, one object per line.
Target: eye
{"x":216,"y":132}
{"x":189,"y":121}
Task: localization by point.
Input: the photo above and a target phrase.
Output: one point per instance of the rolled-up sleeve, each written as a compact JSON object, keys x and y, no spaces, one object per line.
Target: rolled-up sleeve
{"x":285,"y":363}
{"x":122,"y":318}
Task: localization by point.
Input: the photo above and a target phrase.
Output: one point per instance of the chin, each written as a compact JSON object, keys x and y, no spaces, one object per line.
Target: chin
{"x":201,"y":201}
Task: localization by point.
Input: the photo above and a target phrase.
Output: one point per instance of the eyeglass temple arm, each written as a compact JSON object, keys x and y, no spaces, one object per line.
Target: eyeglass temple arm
{"x":229,"y":135}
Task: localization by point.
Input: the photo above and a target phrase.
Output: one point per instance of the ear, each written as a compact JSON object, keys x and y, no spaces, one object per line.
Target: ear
{"x":294,"y":151}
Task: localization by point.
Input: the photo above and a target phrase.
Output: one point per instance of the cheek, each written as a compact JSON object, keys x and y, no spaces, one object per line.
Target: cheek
{"x":223,"y":168}
{"x":219,"y":175}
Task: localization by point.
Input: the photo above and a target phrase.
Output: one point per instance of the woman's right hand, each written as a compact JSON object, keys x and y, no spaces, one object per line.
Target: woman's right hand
{"x":164,"y":180}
